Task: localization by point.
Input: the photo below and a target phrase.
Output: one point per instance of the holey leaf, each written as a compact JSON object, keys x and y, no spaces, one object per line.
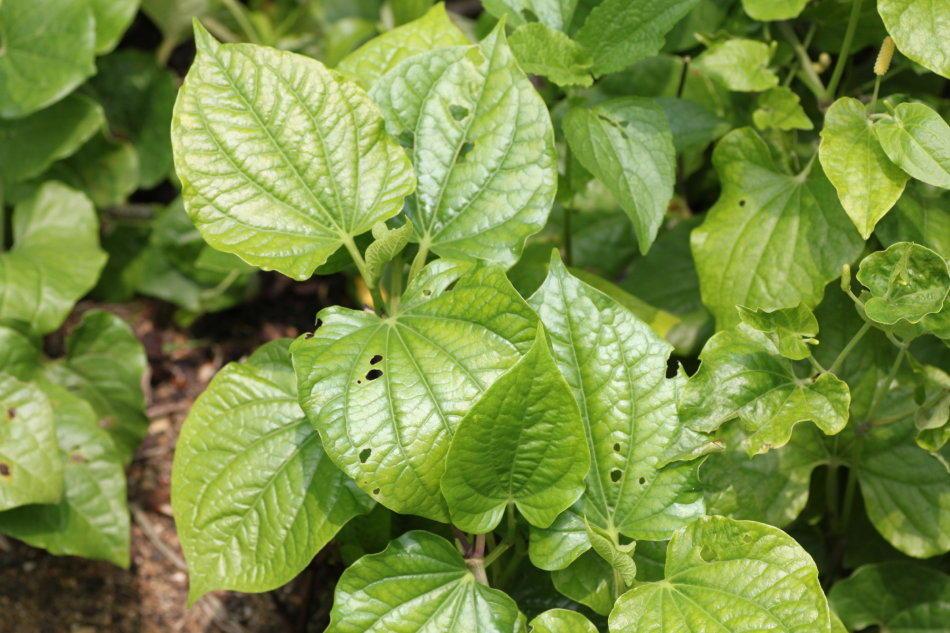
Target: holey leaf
{"x":921,"y":31}
{"x":482,"y":146}
{"x":281,"y":160}
{"x":642,"y":481}
{"x":419,"y":584}
{"x":255,"y":497}
{"x":726,"y":575}
{"x":386,"y":394}
{"x":907,"y":281}
{"x":744,"y":376}
{"x":917,"y":140}
{"x":30,"y":468}
{"x":868,"y":183}
{"x":521,"y":443}
{"x":627,"y":144}
{"x":773,"y":239}
{"x":55,"y":258}
{"x":381,"y":54}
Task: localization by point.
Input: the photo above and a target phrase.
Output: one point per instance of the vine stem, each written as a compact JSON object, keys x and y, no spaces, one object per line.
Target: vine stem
{"x":476,"y":562}
{"x":843,"y":354}
{"x":419,"y":261}
{"x":350,"y":245}
{"x":809,"y":77}
{"x":877,"y":88}
{"x":883,"y":386}
{"x":238,"y":13}
{"x":845,"y":51}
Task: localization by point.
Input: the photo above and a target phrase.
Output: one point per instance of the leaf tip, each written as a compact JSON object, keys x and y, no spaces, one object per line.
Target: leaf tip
{"x":204,"y":41}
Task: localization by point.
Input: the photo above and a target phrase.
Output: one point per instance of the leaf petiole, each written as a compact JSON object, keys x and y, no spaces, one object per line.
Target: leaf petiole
{"x":845,"y":52}
{"x":843,"y":354}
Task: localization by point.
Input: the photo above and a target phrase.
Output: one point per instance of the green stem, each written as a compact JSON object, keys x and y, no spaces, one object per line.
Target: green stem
{"x":845,"y":51}
{"x":361,"y":266}
{"x":849,"y":347}
{"x":238,"y":13}
{"x":808,"y":75}
{"x":476,"y":562}
{"x":419,"y":261}
{"x":883,"y":386}
{"x":164,"y":50}
{"x":395,"y":283}
{"x":3,"y":221}
{"x":848,"y":503}
{"x":499,"y":549}
{"x":877,"y":88}
{"x":831,"y":493}
{"x":568,"y":247}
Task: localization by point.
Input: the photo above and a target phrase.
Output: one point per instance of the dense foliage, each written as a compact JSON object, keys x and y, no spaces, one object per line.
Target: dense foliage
{"x":652,"y":321}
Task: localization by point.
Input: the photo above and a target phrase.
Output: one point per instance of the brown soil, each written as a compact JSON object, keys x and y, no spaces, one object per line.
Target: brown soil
{"x":40,"y":593}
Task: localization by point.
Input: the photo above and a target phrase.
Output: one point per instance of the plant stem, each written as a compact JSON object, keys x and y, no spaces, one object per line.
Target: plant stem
{"x":3,"y":221}
{"x":500,"y":549}
{"x":568,"y":248}
{"x":849,"y":347}
{"x":848,"y":503}
{"x":350,"y":245}
{"x":877,"y":88}
{"x":831,"y":494}
{"x":476,"y":562}
{"x":845,"y":51}
{"x":164,"y":50}
{"x":419,"y":261}
{"x":238,"y":13}
{"x":809,"y":77}
{"x":883,"y":386}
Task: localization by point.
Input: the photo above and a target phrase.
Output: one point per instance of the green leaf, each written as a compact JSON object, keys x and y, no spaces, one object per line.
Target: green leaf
{"x":620,"y":32}
{"x":907,"y":281}
{"x":386,"y":395}
{"x":771,"y":488}
{"x":46,"y":50}
{"x":521,"y":443}
{"x":386,"y":245}
{"x":898,"y":597}
{"x":642,"y":481}
{"x":917,"y":140}
{"x":482,"y":146}
{"x":743,"y":376}
{"x":728,"y":575}
{"x":741,"y":65}
{"x":780,"y":109}
{"x":773,"y":239}
{"x":419,"y":583}
{"x":112,"y":18}
{"x":543,"y":51}
{"x":618,"y":556}
{"x":868,"y":183}
{"x":381,"y":54}
{"x":766,"y":10}
{"x":693,"y":126}
{"x":255,"y":496}
{"x":107,"y":171}
{"x":19,"y":356}
{"x":105,"y":364}
{"x":555,"y":14}
{"x":281,"y":160}
{"x":626,"y":143}
{"x":55,"y":258}
{"x":920,"y":31}
{"x":92,"y":519}
{"x":906,"y":490}
{"x":561,"y":621}
{"x":589,"y":581}
{"x":31,"y":144}
{"x":792,"y":330}
{"x":933,"y":414}
{"x":138,"y":96}
{"x":30,"y":468}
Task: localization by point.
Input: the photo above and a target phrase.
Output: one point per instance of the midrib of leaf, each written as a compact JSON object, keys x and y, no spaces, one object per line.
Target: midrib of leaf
{"x":273,"y":142}
{"x":468,"y":128}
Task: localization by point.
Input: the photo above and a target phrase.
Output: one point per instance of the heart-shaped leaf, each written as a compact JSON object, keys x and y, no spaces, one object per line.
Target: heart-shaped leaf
{"x":482,"y":146}
{"x":247,"y":444}
{"x":281,"y":160}
{"x":907,"y":281}
{"x":420,"y":583}
{"x":919,"y":30}
{"x":917,"y":140}
{"x":386,"y":394}
{"x":522,"y":443}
